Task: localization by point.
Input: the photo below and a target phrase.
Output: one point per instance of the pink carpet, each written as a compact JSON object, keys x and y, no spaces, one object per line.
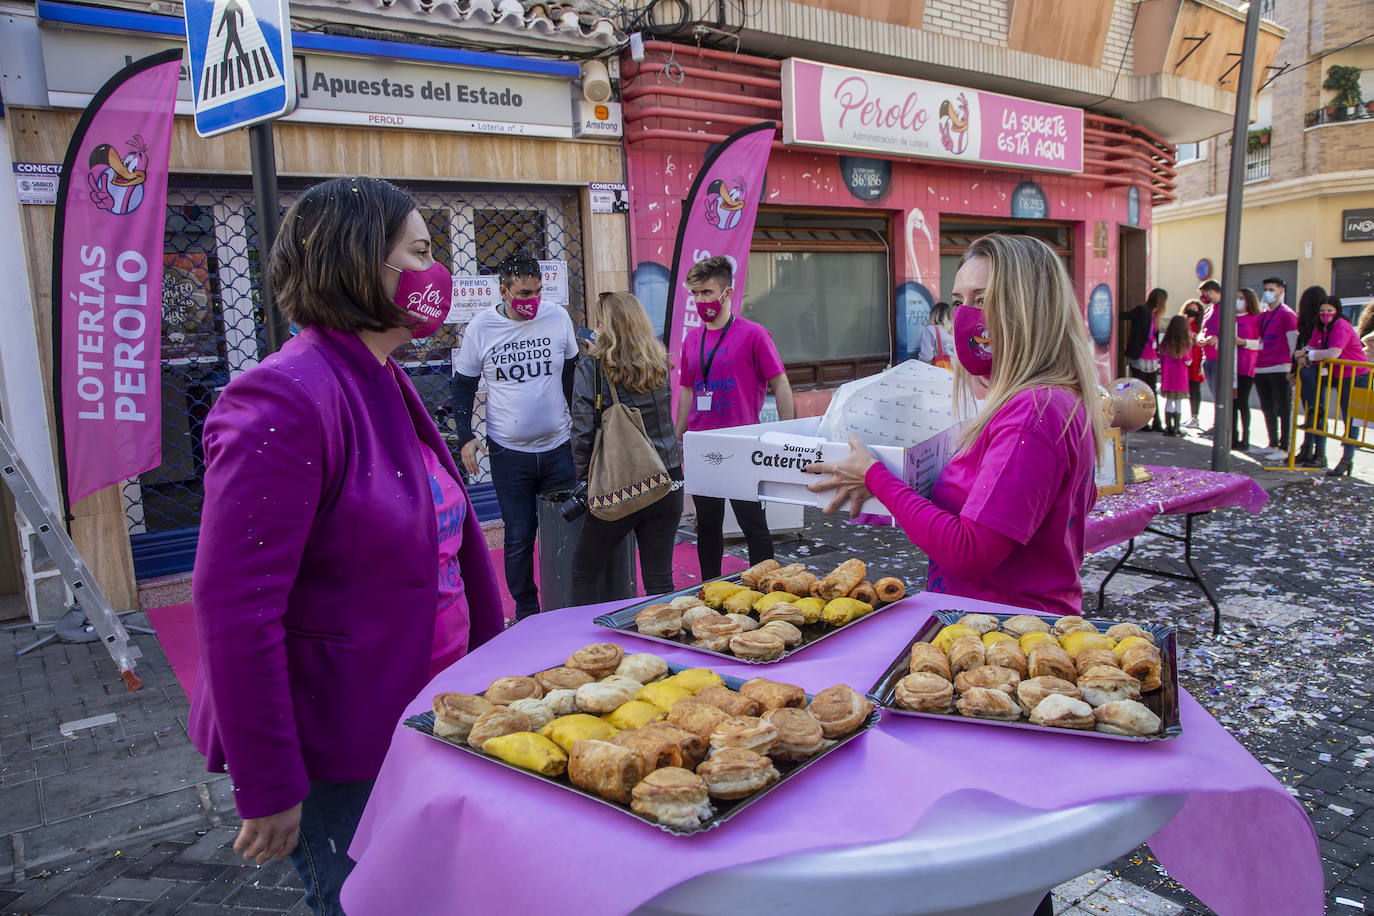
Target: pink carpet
{"x":176,"y":629}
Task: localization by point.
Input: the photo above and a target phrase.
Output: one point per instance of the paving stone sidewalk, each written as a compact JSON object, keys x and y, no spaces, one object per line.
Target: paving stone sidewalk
{"x":76,"y":811}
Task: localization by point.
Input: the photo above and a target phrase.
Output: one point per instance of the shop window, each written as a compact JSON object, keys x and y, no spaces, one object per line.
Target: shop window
{"x":955,"y":237}
{"x":822,"y":287}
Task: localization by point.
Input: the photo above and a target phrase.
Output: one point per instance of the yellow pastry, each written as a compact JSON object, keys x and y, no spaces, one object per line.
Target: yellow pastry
{"x":1069,"y":623}
{"x":772,"y":598}
{"x":741,"y":602}
{"x":811,"y":608}
{"x":715,"y":593}
{"x":1121,"y":647}
{"x":840,"y":611}
{"x":950,"y":633}
{"x":1078,"y":640}
{"x":996,"y":636}
{"x":662,"y":695}
{"x":564,"y":730}
{"x":528,"y":751}
{"x":693,"y":680}
{"x":1122,"y":630}
{"x":1031,"y":640}
{"x":634,"y":714}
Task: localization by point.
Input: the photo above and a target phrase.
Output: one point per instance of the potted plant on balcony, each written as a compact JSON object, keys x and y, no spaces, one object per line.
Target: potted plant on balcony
{"x":1345,"y":82}
{"x":1257,"y":139}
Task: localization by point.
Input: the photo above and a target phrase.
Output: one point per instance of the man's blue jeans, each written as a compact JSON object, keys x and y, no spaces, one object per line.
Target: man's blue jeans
{"x":519,"y":478}
{"x":329,"y":818}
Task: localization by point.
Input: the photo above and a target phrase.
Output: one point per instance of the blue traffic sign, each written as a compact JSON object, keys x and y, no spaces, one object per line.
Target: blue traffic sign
{"x":241,"y":67}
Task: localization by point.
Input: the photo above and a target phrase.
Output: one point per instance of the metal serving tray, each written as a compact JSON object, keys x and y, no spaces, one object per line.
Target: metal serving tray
{"x":1162,"y":702}
{"x":724,"y":810}
{"x":623,"y":621}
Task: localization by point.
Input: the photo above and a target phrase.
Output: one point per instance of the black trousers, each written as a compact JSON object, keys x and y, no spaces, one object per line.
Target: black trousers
{"x":1240,"y":427}
{"x":711,"y":537}
{"x":1151,"y":379}
{"x":1276,"y":400}
{"x":655,"y":529}
{"x":1194,"y":397}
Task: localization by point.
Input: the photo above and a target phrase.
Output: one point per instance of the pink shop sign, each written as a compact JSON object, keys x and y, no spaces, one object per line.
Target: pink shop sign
{"x":842,"y":108}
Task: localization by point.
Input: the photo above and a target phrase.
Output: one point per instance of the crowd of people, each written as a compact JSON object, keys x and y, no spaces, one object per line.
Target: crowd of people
{"x":341,"y":563}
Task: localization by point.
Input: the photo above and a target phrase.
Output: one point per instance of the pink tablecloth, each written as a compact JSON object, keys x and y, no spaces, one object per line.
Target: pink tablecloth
{"x":1173,"y":491}
{"x":446,"y":831}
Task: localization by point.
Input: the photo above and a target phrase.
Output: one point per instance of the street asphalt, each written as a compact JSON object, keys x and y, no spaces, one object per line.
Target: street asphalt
{"x":118,"y":816}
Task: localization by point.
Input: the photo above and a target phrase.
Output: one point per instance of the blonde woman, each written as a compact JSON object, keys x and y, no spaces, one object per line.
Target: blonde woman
{"x":1006,"y":517}
{"x":629,"y":356}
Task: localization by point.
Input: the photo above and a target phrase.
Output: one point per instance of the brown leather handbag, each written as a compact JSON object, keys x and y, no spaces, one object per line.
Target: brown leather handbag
{"x":626,"y":473}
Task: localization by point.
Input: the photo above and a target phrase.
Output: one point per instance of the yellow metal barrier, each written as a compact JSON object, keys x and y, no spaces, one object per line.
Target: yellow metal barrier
{"x":1343,"y":408}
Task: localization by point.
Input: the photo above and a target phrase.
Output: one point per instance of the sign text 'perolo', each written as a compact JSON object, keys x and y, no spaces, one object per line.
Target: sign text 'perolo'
{"x":111,"y":303}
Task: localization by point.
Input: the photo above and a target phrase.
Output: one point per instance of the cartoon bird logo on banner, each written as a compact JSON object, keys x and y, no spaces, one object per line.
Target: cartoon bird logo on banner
{"x":725,"y":202}
{"x":117,"y":183}
{"x":954,"y":125}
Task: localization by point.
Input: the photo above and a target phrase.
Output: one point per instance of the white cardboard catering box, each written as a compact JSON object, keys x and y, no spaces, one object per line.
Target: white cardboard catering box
{"x":766,"y":461}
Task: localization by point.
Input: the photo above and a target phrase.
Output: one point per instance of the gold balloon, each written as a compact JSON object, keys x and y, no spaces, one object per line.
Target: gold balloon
{"x":1133,"y":404}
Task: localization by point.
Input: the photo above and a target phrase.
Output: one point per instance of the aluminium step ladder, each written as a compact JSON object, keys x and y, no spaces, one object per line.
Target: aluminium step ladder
{"x":89,"y":598}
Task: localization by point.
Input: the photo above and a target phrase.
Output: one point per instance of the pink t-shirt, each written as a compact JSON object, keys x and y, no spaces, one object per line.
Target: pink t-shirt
{"x":1340,"y":333}
{"x":1150,"y":351}
{"x":1029,"y":479}
{"x":1275,"y":326}
{"x":743,"y":363}
{"x":1247,"y":328}
{"x":451,"y":623}
{"x":1211,"y":327}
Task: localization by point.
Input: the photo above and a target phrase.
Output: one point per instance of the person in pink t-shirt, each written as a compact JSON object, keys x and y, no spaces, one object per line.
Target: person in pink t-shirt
{"x":1006,"y":518}
{"x":1248,"y":346}
{"x":727,"y":365}
{"x":1335,"y":337}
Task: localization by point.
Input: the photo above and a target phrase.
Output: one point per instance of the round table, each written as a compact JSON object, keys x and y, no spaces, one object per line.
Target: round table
{"x":971,"y":855}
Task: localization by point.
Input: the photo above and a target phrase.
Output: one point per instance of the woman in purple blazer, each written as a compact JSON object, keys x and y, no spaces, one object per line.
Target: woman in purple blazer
{"x":340,"y":563}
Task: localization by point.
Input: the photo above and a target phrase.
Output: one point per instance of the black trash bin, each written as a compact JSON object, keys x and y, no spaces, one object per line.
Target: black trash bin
{"x":558,"y":541}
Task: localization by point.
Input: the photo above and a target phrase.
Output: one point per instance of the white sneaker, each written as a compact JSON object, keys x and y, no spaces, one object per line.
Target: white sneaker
{"x":1192,"y":424}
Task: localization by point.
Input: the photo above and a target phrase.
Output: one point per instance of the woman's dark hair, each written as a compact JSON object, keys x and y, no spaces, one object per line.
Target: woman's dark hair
{"x":1252,"y":306}
{"x":1308,"y":303}
{"x":328,"y":260}
{"x":1335,"y":302}
{"x":1178,"y":337}
{"x":1156,"y":300}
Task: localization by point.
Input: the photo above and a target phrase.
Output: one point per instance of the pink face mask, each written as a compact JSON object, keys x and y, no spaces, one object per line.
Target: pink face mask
{"x":425,"y":295}
{"x":710,"y":311}
{"x":1326,"y":317}
{"x":971,"y":341}
{"x":525,"y":308}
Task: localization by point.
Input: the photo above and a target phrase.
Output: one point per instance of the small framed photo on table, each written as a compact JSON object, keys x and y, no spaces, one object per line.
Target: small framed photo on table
{"x":1110,"y":476}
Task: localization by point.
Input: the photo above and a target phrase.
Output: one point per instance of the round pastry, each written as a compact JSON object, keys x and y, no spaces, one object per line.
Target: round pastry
{"x":987,"y":703}
{"x":495,"y":722}
{"x":692,"y":748}
{"x":644,"y":667}
{"x":994,"y":676}
{"x":561,"y":702}
{"x":607,"y":695}
{"x":1068,"y":623}
{"x":1022,"y":624}
{"x":1091,"y":658}
{"x":734,"y":772}
{"x":1104,"y":683}
{"x":864,"y":592}
{"x":773,"y":694}
{"x":758,"y":645}
{"x":1120,"y":631}
{"x":1030,"y":692}
{"x":784,"y":611}
{"x":925,"y":657}
{"x":715,"y":626}
{"x":791,"y":636}
{"x":562,"y":678}
{"x":1048,"y":660}
{"x":537,"y":711}
{"x":1007,"y":654}
{"x":890,"y":589}
{"x":966,"y":652}
{"x":729,"y":702}
{"x":454,"y":714}
{"x":506,"y":690}
{"x":672,"y":796}
{"x":840,"y":710}
{"x":1060,"y":711}
{"x":799,"y":734}
{"x":749,"y":732}
{"x":1126,"y":717}
{"x":659,"y":620}
{"x":746,"y":622}
{"x":696,"y":716}
{"x":684,"y":603}
{"x":982,"y":623}
{"x":713,"y":643}
{"x":598,"y":659}
{"x":695,"y":613}
{"x":925,"y":692}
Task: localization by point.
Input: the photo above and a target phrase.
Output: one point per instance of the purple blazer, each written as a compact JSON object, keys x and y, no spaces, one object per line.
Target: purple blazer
{"x":317,"y":575}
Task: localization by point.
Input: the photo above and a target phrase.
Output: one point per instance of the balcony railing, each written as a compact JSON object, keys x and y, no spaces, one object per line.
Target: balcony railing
{"x":1257,"y":163}
{"x":1333,"y":114}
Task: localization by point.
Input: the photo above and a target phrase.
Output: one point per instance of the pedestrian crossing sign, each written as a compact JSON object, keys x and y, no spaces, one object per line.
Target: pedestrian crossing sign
{"x":241,"y":67}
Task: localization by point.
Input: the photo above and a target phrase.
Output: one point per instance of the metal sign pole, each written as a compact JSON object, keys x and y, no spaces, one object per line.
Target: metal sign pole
{"x":262,"y":151}
{"x":1230,"y":249}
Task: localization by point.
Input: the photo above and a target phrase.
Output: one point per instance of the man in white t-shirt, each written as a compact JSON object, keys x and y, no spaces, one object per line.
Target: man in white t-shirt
{"x":525,"y":351}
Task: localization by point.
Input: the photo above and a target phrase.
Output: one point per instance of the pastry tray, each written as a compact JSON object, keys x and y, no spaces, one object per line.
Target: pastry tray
{"x":623,"y":621}
{"x":424,"y":724}
{"x":1162,"y":702}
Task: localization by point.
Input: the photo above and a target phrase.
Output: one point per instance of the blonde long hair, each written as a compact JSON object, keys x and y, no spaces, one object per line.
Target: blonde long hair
{"x":1036,"y":331}
{"x":631,"y":356}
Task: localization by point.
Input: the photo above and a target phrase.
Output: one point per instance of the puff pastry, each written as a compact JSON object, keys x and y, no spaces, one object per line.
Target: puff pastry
{"x":655,"y":749}
{"x":965,"y":653}
{"x":773,"y":694}
{"x":949,"y":633}
{"x":1121,"y":630}
{"x":695,"y":613}
{"x":1030,"y":692}
{"x":696,"y":716}
{"x":841,"y":611}
{"x":890,"y":589}
{"x":1031,"y":640}
{"x":716,"y":626}
{"x":753,"y":576}
{"x":785,"y":612}
{"x":771,"y":599}
{"x":528,"y":751}
{"x":1007,"y":655}
{"x":1091,"y":658}
{"x":672,"y":796}
{"x":691,"y":746}
{"x":735,"y":772}
{"x":685,"y":603}
{"x":662,"y":695}
{"x":760,"y":645}
{"x":607,"y":769}
{"x":729,"y":701}
{"x":1060,"y":711}
{"x":840,"y":710}
{"x":1082,"y":640}
{"x":562,"y":678}
{"x":634,"y":714}
{"x":749,"y":732}
{"x":741,"y":602}
{"x":715,"y":593}
{"x":996,"y":636}
{"x":994,"y":676}
{"x":1048,"y":660}
{"x":791,"y":636}
{"x":696,"y":679}
{"x":799,"y":734}
{"x":1021,"y":624}
{"x":1126,"y":717}
{"x":1069,"y":623}
{"x":536,"y":711}
{"x":782,"y":572}
{"x":644,"y":667}
{"x":561,"y":702}
{"x":864,"y":592}
{"x":719,"y":644}
{"x":1103,"y":683}
{"x":842,"y":579}
{"x":982,"y":623}
{"x":506,"y":690}
{"x":598,"y":659}
{"x":745,"y":622}
{"x":924,"y":692}
{"x":925,"y":657}
{"x":455,"y":713}
{"x":565,"y":730}
{"x":1142,"y":663}
{"x":811,"y":609}
{"x":987,"y":703}
{"x":495,"y":722}
{"x":800,"y":584}
{"x":659,"y":620}
{"x":604,"y":696}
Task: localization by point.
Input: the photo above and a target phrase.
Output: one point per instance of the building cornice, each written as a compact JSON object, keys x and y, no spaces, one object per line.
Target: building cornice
{"x":1311,"y":186}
